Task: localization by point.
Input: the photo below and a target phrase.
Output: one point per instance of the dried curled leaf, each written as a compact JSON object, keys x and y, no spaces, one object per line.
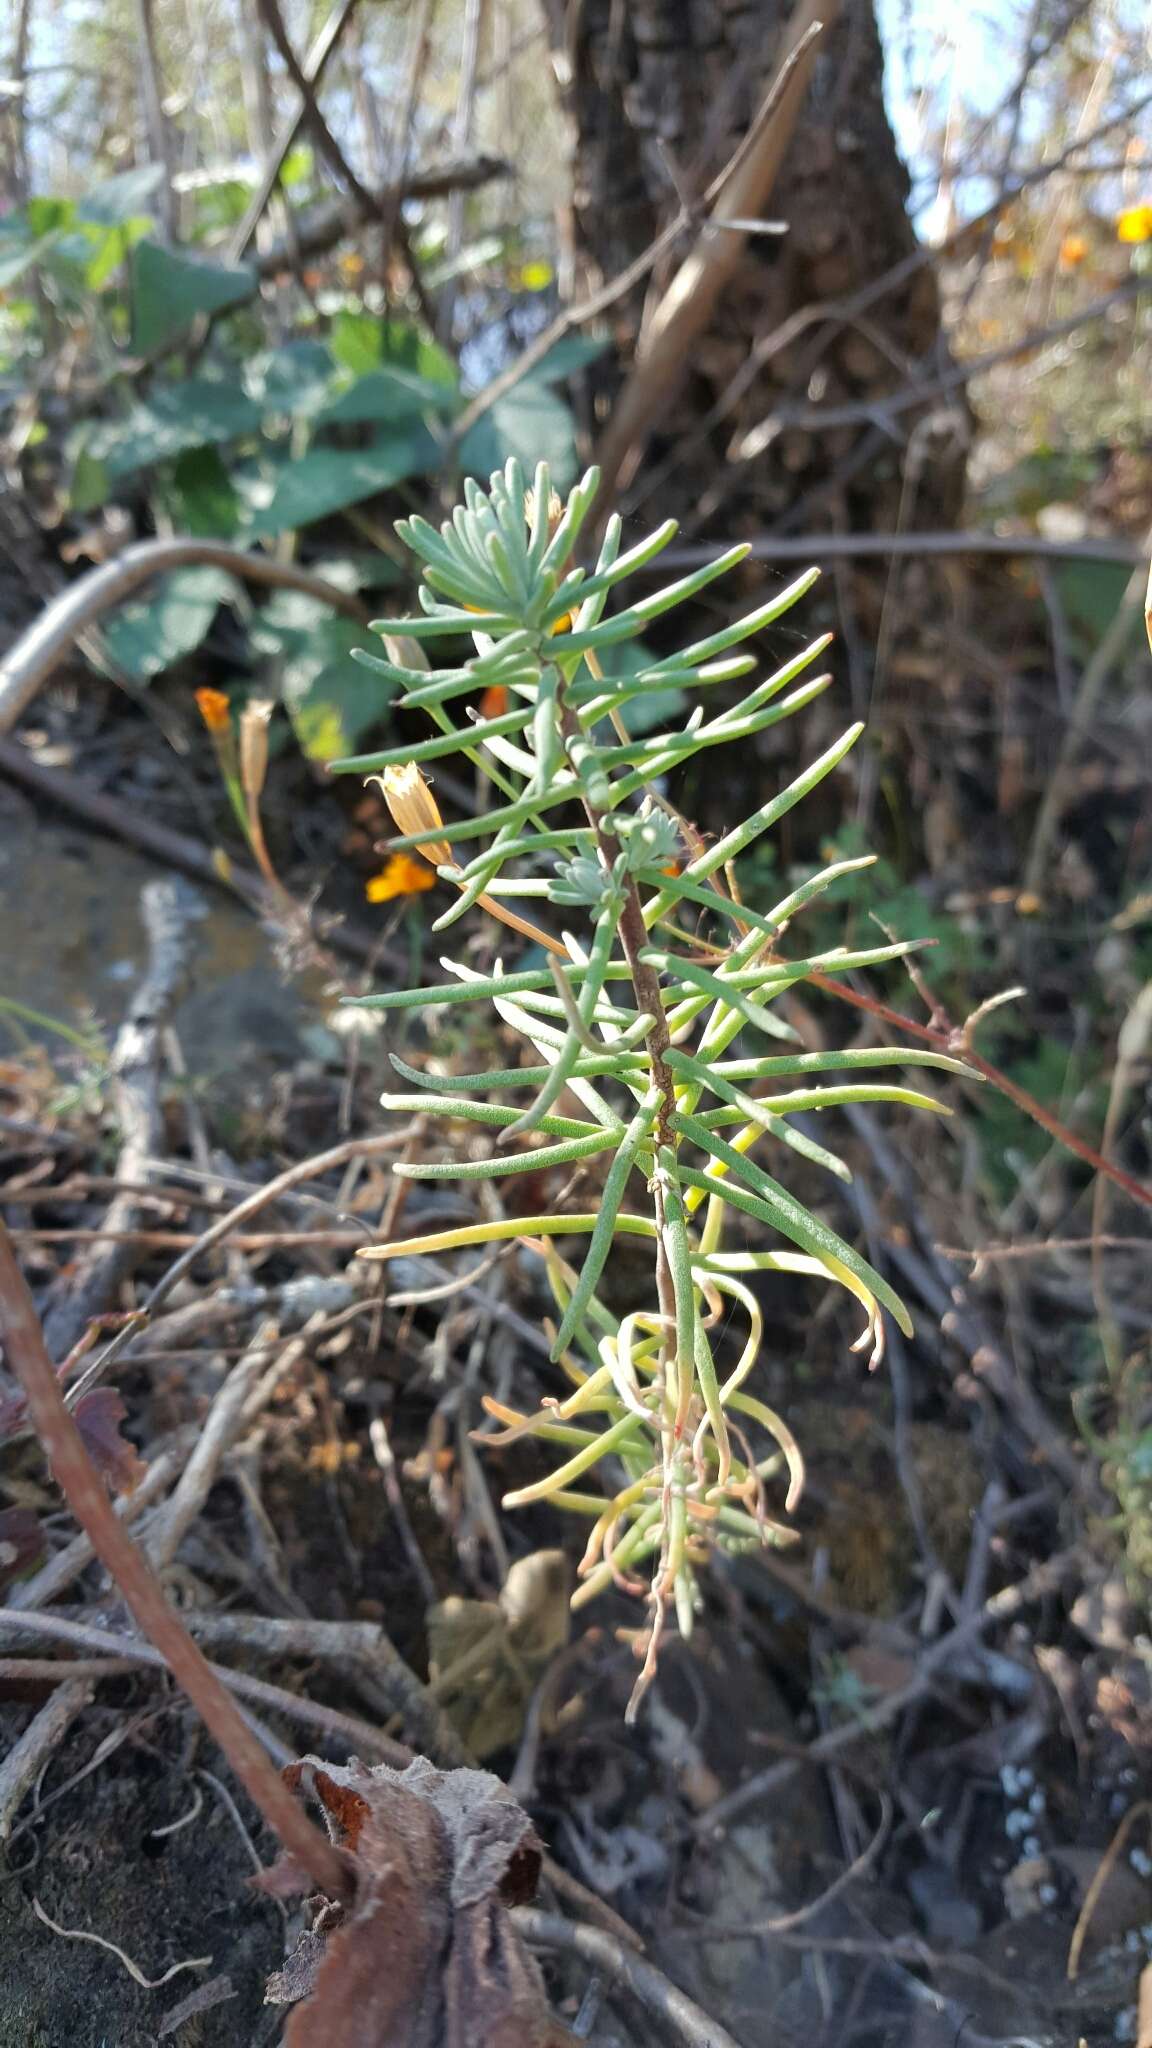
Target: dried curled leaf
{"x":486,"y":1656}
{"x":21,"y":1544}
{"x":427,"y":1957}
{"x":98,"y":1417}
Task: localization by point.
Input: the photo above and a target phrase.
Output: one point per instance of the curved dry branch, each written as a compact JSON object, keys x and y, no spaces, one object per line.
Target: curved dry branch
{"x":34,"y":656}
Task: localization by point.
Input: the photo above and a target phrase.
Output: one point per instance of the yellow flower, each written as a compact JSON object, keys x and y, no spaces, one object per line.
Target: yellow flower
{"x":414,"y":809}
{"x":403,"y":876}
{"x":1135,"y":224}
{"x":214,"y":709}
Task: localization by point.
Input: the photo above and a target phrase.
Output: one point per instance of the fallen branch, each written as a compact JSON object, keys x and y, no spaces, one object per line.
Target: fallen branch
{"x":1044,"y":1578}
{"x":32,"y":658}
{"x":687,"y":307}
{"x":833,"y":547}
{"x":168,"y":910}
{"x":224,"y":1226}
{"x":315,"y":64}
{"x":32,"y":1749}
{"x":84,"y":1492}
{"x":627,"y":1972}
{"x":18,"y":1626}
{"x":334,"y":219}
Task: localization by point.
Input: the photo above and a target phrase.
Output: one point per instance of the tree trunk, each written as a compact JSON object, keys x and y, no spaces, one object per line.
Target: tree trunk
{"x":658,"y":95}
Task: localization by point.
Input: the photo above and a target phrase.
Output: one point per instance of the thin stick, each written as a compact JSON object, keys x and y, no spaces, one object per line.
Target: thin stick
{"x":360,"y":1735}
{"x":304,"y":1169}
{"x":1142,"y":1809}
{"x":951,"y":1040}
{"x":31,"y":1751}
{"x":59,"y":1572}
{"x":785,"y":1923}
{"x":228,"y":1416}
{"x":831,"y":547}
{"x":170,"y":911}
{"x":628,"y":1972}
{"x":314,"y":67}
{"x":121,"y":1955}
{"x":83,"y":1489}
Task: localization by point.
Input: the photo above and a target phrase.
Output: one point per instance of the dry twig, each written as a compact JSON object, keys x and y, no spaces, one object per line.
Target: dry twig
{"x":169,"y":910}
{"x":628,"y":1972}
{"x":84,"y":1491}
{"x":686,"y":308}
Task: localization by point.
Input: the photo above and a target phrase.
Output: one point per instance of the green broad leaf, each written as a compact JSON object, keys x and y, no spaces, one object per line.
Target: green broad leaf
{"x":331,"y":700}
{"x":529,"y":422}
{"x":204,"y":498}
{"x":330,"y":708}
{"x":110,"y":247}
{"x":122,"y":198}
{"x":193,"y":414}
{"x":296,"y":379}
{"x":45,"y":215}
{"x":360,"y":342}
{"x":147,"y":635}
{"x":327,"y":479}
{"x":1091,"y":594}
{"x":297,"y":166}
{"x":90,"y":483}
{"x":15,"y":262}
{"x":170,"y":289}
{"x":220,"y":204}
{"x":388,"y":394}
{"x":571,"y":353}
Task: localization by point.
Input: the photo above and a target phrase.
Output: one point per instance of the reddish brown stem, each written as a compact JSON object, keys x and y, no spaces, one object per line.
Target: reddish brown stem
{"x":952,"y":1041}
{"x":84,"y":1491}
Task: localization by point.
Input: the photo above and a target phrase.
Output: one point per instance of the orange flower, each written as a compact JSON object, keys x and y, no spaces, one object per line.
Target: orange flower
{"x":403,"y":876}
{"x":494,"y":701}
{"x":215,"y":710}
{"x":1073,"y":250}
{"x":415,"y":809}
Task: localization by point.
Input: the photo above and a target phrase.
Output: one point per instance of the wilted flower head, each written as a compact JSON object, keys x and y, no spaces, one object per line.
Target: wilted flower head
{"x":414,"y":809}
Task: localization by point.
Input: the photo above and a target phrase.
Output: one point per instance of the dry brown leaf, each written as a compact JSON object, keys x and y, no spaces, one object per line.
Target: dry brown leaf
{"x":98,"y":1417}
{"x":427,"y":1956}
{"x":21,"y":1544}
{"x":486,"y":1657}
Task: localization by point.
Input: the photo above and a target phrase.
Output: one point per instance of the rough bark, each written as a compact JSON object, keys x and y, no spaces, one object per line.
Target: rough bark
{"x":658,"y":95}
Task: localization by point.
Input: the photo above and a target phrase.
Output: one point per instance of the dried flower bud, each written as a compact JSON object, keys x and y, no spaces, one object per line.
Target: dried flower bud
{"x":414,"y":809}
{"x":254,"y":721}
